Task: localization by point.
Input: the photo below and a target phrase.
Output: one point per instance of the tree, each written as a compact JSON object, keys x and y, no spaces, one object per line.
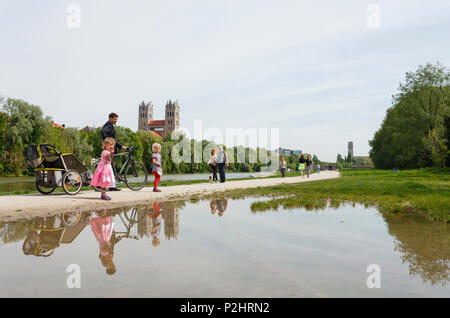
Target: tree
{"x":315,"y":160}
{"x":413,"y":133}
{"x":349,"y":158}
{"x":25,"y":125}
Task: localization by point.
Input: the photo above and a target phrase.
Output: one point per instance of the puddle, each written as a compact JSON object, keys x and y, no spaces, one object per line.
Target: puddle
{"x":219,"y":248}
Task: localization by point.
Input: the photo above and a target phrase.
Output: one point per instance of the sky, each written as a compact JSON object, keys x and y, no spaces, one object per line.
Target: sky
{"x":322,"y":72}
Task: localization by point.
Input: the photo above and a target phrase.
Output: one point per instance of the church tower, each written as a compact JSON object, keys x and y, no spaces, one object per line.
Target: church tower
{"x":172,"y":119}
{"x":145,"y":115}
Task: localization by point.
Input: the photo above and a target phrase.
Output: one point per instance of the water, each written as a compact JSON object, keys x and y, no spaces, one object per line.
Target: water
{"x":11,"y":184}
{"x":221,"y":249}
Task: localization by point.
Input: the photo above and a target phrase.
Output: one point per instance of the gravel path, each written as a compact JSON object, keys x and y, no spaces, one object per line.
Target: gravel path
{"x":27,"y":205}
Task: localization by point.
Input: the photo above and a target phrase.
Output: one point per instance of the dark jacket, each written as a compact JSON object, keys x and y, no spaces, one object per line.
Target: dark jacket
{"x":308,"y":162}
{"x":302,"y":160}
{"x":108,"y":131}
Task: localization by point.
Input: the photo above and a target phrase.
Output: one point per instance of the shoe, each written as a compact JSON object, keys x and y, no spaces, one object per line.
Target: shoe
{"x":156,"y":190}
{"x":105,"y":198}
{"x":114,"y":189}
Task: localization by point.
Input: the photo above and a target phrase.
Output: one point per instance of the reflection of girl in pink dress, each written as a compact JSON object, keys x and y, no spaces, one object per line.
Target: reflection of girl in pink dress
{"x":102,"y":176}
{"x":102,"y":227}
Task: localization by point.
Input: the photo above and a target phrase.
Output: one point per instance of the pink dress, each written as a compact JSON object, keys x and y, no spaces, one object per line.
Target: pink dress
{"x":102,"y":176}
{"x":102,"y":228}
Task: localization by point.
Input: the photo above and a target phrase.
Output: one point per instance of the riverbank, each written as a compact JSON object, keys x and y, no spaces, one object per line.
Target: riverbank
{"x":26,"y":185}
{"x":27,"y":205}
{"x":425,"y":191}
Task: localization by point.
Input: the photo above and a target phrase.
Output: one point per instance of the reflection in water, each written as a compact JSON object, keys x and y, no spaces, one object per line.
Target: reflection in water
{"x":151,"y":217}
{"x":218,"y":204}
{"x":48,"y":233}
{"x":424,"y":245}
{"x":102,"y":226}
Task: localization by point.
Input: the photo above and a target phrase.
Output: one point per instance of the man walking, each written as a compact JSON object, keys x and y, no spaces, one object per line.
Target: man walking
{"x":222,"y":163}
{"x":108,"y":132}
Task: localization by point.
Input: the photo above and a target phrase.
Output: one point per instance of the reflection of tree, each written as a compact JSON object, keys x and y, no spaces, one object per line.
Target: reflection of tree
{"x":424,"y":245}
{"x":15,"y":231}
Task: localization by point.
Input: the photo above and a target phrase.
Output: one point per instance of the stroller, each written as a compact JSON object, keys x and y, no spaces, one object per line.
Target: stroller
{"x":49,"y":233}
{"x":54,"y":169}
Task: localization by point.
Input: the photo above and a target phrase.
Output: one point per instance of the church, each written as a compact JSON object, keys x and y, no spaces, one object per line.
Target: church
{"x":160,"y":128}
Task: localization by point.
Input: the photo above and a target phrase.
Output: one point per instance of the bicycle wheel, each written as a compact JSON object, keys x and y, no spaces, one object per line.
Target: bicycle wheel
{"x":92,"y":171}
{"x":135,"y":176}
{"x":71,"y":218}
{"x":30,"y":243}
{"x":133,"y":216}
{"x":72,"y":182}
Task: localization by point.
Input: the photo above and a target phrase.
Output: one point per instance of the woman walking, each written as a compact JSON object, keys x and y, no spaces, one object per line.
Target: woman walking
{"x":308,"y":165}
{"x":283,"y":167}
{"x":302,"y":164}
{"x":213,"y":164}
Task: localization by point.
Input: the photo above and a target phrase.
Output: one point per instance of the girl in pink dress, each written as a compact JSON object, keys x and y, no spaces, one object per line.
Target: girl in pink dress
{"x":102,"y":227}
{"x":102,"y":176}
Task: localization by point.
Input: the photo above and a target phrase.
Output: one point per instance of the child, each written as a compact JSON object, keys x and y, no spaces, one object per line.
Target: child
{"x":156,"y":221}
{"x":156,"y":169}
{"x":102,"y":176}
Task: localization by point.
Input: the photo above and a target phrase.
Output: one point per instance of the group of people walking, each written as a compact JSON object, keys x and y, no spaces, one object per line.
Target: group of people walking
{"x":305,"y":164}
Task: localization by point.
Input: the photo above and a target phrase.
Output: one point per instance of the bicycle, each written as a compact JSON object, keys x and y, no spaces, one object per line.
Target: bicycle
{"x":133,"y":173}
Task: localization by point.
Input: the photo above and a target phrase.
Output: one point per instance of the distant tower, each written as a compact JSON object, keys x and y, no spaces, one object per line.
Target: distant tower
{"x":145,"y":115}
{"x":350,"y":147}
{"x":172,"y":119}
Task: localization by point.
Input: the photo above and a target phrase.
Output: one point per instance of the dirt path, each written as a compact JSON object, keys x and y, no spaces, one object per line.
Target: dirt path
{"x":27,"y":205}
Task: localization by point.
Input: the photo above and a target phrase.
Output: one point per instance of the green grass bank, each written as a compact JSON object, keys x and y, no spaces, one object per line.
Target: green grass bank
{"x":425,"y":191}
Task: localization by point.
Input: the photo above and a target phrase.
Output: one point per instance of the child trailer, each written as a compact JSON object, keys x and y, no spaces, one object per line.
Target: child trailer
{"x":54,"y":169}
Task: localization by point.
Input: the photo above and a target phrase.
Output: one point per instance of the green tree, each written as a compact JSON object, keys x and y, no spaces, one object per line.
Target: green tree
{"x":413,"y":132}
{"x":349,"y":158}
{"x":315,"y":160}
{"x":25,"y":125}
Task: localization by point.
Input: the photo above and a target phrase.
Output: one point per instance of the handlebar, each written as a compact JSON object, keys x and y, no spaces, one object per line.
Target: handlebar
{"x":127,"y":152}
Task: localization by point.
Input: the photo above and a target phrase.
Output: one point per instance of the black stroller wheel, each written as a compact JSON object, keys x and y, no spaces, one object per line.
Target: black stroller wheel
{"x":44,"y":190}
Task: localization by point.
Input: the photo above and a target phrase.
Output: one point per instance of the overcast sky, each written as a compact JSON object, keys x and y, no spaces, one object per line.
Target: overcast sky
{"x":313,"y":69}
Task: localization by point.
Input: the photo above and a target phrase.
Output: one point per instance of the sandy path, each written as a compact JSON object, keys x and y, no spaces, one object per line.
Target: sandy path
{"x":26,"y":205}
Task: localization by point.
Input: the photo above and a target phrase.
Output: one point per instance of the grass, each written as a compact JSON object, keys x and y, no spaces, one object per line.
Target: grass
{"x":422,"y":190}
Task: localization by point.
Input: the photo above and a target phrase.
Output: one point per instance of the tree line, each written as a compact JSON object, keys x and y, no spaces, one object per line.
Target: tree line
{"x":416,"y":130}
{"x":22,"y":124}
